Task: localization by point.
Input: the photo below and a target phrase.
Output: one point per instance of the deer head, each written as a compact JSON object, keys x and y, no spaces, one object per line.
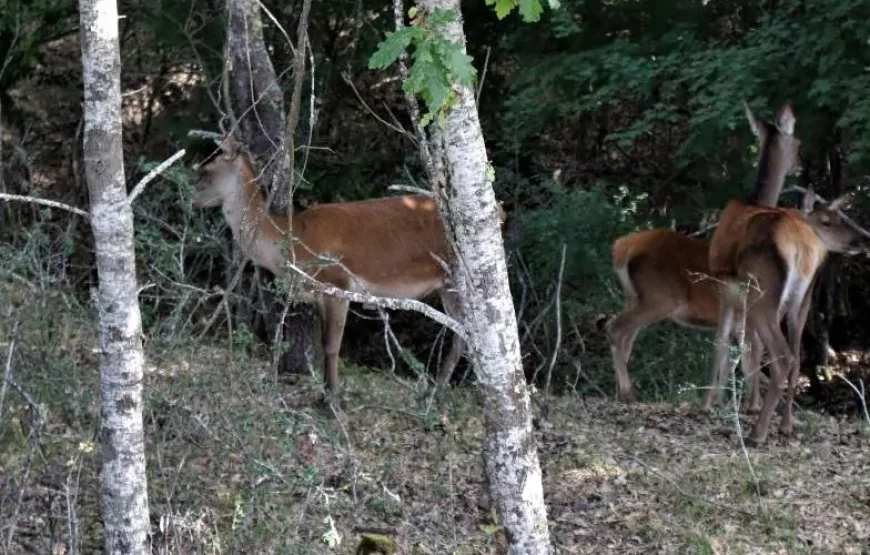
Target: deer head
{"x":219,"y":177}
{"x":779,"y":135}
{"x":837,"y":234}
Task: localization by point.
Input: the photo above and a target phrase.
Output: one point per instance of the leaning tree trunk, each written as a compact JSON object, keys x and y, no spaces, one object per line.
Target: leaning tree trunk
{"x":512,"y":467}
{"x":125,"y":492}
{"x":259,"y":104}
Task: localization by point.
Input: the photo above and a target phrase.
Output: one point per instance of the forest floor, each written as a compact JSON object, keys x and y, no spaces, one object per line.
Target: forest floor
{"x":242,"y":463}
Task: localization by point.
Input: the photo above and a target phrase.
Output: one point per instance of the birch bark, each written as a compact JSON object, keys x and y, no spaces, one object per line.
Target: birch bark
{"x":124,"y":482}
{"x":512,"y":467}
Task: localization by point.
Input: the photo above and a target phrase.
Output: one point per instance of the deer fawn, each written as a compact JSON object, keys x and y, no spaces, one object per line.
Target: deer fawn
{"x":665,"y":275}
{"x":381,"y":246}
{"x":777,"y":252}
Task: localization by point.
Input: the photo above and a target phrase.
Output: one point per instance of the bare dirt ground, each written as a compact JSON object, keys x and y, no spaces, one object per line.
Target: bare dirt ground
{"x":242,"y":463}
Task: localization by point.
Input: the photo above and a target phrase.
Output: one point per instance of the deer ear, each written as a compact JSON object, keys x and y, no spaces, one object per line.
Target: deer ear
{"x":809,"y":201}
{"x":756,"y":126}
{"x":785,"y":119}
{"x":842,"y":202}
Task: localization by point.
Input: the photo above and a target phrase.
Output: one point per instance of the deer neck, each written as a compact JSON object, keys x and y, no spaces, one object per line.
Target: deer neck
{"x":769,"y":179}
{"x":257,"y":231}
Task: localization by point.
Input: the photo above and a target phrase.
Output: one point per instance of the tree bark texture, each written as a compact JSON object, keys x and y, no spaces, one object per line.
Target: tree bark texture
{"x":259,"y":107}
{"x":259,"y":104}
{"x":512,"y":467}
{"x":124,"y":491}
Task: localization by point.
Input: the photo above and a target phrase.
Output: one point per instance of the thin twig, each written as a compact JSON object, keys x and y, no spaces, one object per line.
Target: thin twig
{"x":399,"y":130}
{"x":137,"y":190}
{"x":482,"y":75}
{"x":8,"y":371}
{"x":558,"y":324}
{"x":735,"y":399}
{"x":861,"y":393}
{"x":279,"y":26}
{"x":296,"y":96}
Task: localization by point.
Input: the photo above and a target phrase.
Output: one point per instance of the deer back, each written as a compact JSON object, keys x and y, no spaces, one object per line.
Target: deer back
{"x":664,"y":266}
{"x":387,"y":244}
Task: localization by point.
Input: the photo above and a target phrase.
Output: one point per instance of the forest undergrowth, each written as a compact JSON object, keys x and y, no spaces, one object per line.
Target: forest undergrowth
{"x":243,"y":461}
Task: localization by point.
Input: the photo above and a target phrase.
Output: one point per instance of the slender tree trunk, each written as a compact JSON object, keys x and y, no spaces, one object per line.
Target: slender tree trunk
{"x":125,"y":492}
{"x":512,"y":467}
{"x":259,"y":101}
{"x":2,"y":180}
{"x":259,"y":106}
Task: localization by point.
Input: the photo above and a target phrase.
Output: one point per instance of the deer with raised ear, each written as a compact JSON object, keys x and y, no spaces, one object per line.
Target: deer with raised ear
{"x":387,"y":247}
{"x":777,"y":253}
{"x":665,"y":275}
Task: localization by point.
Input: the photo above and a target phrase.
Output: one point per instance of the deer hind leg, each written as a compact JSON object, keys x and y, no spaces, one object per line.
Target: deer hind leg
{"x":334,"y":312}
{"x":796,"y":323}
{"x":450,"y":301}
{"x":751,"y":365}
{"x":622,"y":331}
{"x":782,"y":363}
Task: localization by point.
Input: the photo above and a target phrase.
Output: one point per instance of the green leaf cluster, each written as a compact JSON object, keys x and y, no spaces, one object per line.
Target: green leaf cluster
{"x":530,"y":10}
{"x":438,"y":63}
{"x":688,"y":66}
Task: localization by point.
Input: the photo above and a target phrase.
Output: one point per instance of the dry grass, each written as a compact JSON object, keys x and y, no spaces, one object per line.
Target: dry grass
{"x":242,"y":463}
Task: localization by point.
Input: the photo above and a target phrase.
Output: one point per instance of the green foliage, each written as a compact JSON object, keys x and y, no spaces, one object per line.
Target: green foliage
{"x":696,"y":70}
{"x":586,"y":222}
{"x":530,"y":10}
{"x":437,"y":62}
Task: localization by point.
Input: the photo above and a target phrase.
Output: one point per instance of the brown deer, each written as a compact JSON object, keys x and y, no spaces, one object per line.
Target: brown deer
{"x":777,"y":252}
{"x":665,"y":275}
{"x":385,"y":247}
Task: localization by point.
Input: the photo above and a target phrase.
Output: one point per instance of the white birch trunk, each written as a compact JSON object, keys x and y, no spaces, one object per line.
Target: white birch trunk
{"x":125,"y":493}
{"x":512,"y":467}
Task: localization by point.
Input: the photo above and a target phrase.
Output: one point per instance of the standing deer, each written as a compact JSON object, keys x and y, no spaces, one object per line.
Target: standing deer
{"x":665,"y":275}
{"x":777,"y":252}
{"x":386,"y":246}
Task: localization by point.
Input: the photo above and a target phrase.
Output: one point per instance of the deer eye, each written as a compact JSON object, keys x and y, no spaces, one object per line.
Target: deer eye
{"x":826,"y":223}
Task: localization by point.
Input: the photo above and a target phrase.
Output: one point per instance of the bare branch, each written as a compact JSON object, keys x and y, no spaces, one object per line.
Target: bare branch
{"x":137,"y":190}
{"x":410,"y":189}
{"x":385,"y":302}
{"x":203,"y":134}
{"x":46,"y":202}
